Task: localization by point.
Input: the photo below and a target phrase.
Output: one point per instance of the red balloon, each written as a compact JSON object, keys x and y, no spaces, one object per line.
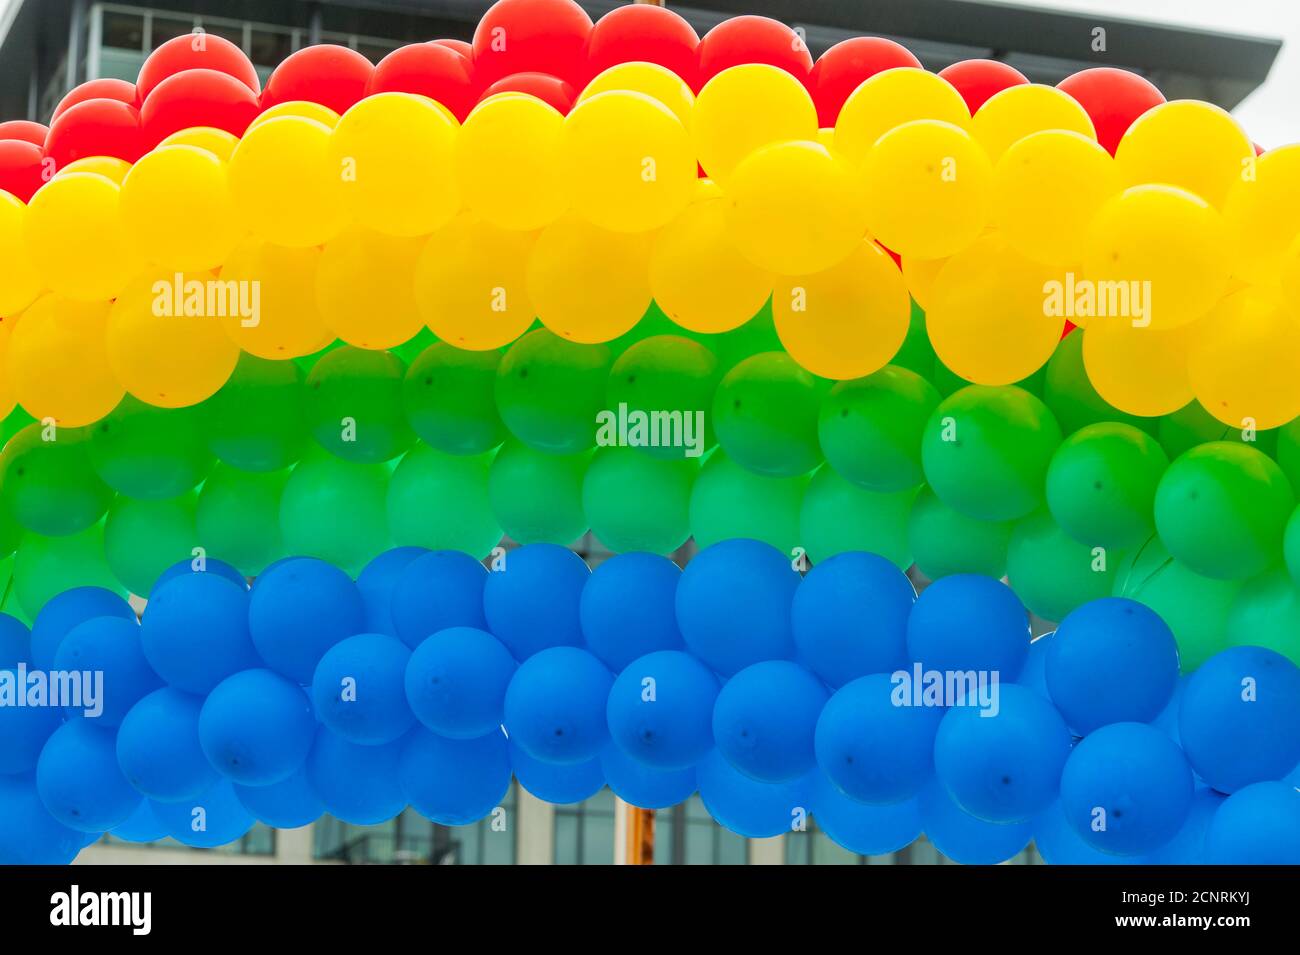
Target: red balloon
{"x":21,"y":169}
{"x":1113,"y":98}
{"x":197,"y":98}
{"x":195,"y":51}
{"x":531,"y":36}
{"x":842,"y":68}
{"x":646,"y":33}
{"x":431,"y":70}
{"x":1259,"y":150}
{"x":120,"y":90}
{"x":96,"y":127}
{"x":751,"y":39}
{"x":330,"y":75}
{"x":978,"y":80}
{"x":548,"y":89}
{"x":28,"y":132}
{"x":460,"y":46}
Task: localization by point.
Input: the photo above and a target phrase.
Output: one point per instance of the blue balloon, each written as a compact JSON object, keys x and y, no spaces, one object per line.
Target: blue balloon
{"x":437,"y":591}
{"x":660,"y":710}
{"x":850,"y":617}
{"x":533,"y":603}
{"x":555,"y":705}
{"x":29,"y":835}
{"x":210,"y":565}
{"x":733,"y":605}
{"x":456,"y":682}
{"x":15,"y":642}
{"x":1187,"y":847}
{"x":963,"y":838}
{"x":143,"y":826}
{"x":874,"y":750}
{"x":765,"y":719}
{"x":195,"y":632}
{"x":454,"y":782}
{"x":561,"y":785}
{"x":642,"y":786}
{"x":1003,"y":764}
{"x":356,"y":783}
{"x":359,"y":689}
{"x":256,"y":727}
{"x":63,"y":612}
{"x":1126,"y":789}
{"x":79,"y":780}
{"x":627,"y":608}
{"x":1058,"y":843}
{"x":1239,"y":721}
{"x":1167,"y":721}
{"x":213,"y":818}
{"x":24,"y":728}
{"x":288,"y":804}
{"x":1113,"y":660}
{"x":109,"y":646}
{"x":1034,"y":675}
{"x":745,"y":806}
{"x":1259,"y":824}
{"x":857,"y":827}
{"x":298,"y":610}
{"x":158,"y":747}
{"x":968,"y":622}
{"x":378,"y":582}
{"x":1293,"y":778}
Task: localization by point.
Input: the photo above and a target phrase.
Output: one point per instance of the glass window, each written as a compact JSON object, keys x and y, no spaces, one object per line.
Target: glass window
{"x":687,"y":835}
{"x":123,"y":31}
{"x":266,"y":48}
{"x":374,"y":52}
{"x":584,"y":832}
{"x":258,"y":841}
{"x":814,"y":847}
{"x":164,"y":28}
{"x":227,"y":30}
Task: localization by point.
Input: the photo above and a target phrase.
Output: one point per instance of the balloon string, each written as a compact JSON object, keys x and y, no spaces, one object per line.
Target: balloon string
{"x":1136,"y":558}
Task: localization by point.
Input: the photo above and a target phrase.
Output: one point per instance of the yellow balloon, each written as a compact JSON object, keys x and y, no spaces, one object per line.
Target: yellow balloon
{"x":655,"y":81}
{"x":1047,"y":188}
{"x":56,"y":363}
{"x":284,"y":184}
{"x":1011,"y":115}
{"x":110,"y":167}
{"x":177,"y":208}
{"x":1263,"y":212}
{"x":471,"y":284}
{"x":165,"y":343}
{"x":1290,"y":278}
{"x":588,"y":284}
{"x":216,"y":141}
{"x":281,"y":283}
{"x":794,"y":209}
{"x":928,"y":189}
{"x":987,"y":318}
{"x":507,"y":162}
{"x":395,"y":153}
{"x":76,"y":238}
{"x":698,"y":278}
{"x":1186,"y":143}
{"x":919,"y":274}
{"x":303,"y":109}
{"x":1141,"y":371}
{"x":847,"y":321}
{"x":891,"y":98}
{"x":365,"y":288}
{"x":7,"y":397}
{"x":19,"y":285}
{"x":745,"y":107}
{"x":1167,"y":250}
{"x":1242,"y":361}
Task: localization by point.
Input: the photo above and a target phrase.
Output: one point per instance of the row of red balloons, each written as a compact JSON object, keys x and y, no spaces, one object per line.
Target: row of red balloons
{"x":548,"y":48}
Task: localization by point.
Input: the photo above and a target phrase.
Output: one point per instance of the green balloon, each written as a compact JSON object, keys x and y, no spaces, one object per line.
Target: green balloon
{"x":11,"y":532}
{"x":238,"y":517}
{"x":730,"y":501}
{"x":985,"y":451}
{"x":549,"y":391}
{"x":47,"y":482}
{"x":256,"y":421}
{"x":416,"y":346}
{"x":1221,"y":508}
{"x":151,"y":453}
{"x":144,"y":538}
{"x":9,"y":603}
{"x":756,"y":336}
{"x":46,"y":566}
{"x":1192,"y":425}
{"x":1291,"y":545}
{"x":948,"y":382}
{"x":1101,"y":484}
{"x":1071,"y":396}
{"x":15,"y":422}
{"x":636,"y":502}
{"x":664,"y":378}
{"x":1051,"y":572}
{"x":1288,"y":452}
{"x":537,"y":497}
{"x":307,"y":362}
{"x":916,"y":354}
{"x":354,"y":405}
{"x":440,"y":501}
{"x":654,"y":322}
{"x":870,"y":428}
{"x":765,"y":413}
{"x":1266,"y":613}
{"x":335,"y":510}
{"x":1195,"y":608}
{"x":449,"y":400}
{"x":837,"y":516}
{"x":944,"y":541}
